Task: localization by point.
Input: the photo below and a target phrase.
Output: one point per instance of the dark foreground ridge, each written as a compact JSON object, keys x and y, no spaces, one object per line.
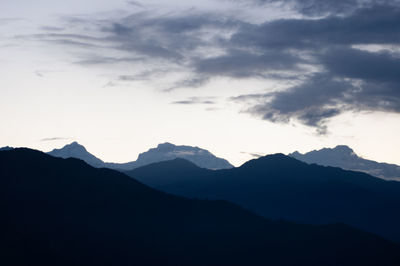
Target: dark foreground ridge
{"x":64,"y":212}
{"x":281,"y":187}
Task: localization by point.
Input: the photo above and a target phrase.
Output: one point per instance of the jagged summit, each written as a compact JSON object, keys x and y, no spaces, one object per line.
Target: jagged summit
{"x":324,"y":155}
{"x":344,"y":157}
{"x":74,"y":143}
{"x":76,"y":150}
{"x":343,"y":148}
{"x":75,"y":146}
{"x":340,"y":149}
{"x":170,"y":147}
{"x":165,"y":146}
{"x":168,"y":151}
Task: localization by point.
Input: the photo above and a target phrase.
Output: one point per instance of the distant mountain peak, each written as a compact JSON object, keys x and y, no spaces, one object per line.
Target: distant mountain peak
{"x":76,"y":150}
{"x":344,"y":149}
{"x":339,"y":150}
{"x":165,"y":145}
{"x":344,"y":157}
{"x":168,"y":151}
{"x":73,"y":147}
{"x":74,"y":144}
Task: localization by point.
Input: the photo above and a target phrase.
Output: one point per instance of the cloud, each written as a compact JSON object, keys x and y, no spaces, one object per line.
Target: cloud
{"x":369,"y":66}
{"x":194,"y":82}
{"x":241,"y":64}
{"x":253,"y":154}
{"x":375,"y":25}
{"x":54,"y":139}
{"x":4,"y":21}
{"x":102,"y":60}
{"x":171,"y":38}
{"x":318,"y":52}
{"x":182,"y":153}
{"x":312,"y":102}
{"x":196,"y":100}
{"x":144,"y":39}
{"x":324,"y":7}
{"x":345,"y":78}
{"x":39,"y":74}
{"x":136,"y":4}
{"x":321,"y":97}
{"x":50,"y":28}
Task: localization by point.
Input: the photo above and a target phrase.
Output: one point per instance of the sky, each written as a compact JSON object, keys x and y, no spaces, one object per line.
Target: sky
{"x":237,"y":77}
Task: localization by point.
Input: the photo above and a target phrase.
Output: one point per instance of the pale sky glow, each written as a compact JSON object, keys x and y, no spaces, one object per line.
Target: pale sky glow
{"x":228,"y":76}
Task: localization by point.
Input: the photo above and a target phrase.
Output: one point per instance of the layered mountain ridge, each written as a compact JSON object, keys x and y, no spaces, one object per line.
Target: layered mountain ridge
{"x":282,"y":187}
{"x":163,"y":152}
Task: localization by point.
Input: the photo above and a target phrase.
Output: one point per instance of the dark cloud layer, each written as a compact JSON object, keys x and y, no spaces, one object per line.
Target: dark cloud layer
{"x":312,"y":102}
{"x":319,"y":51}
{"x":241,"y":64}
{"x":325,"y":7}
{"x":348,"y":78}
{"x":375,"y":25}
{"x":352,"y":63}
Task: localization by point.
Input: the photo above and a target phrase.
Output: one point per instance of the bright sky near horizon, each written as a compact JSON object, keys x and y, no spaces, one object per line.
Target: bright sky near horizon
{"x":236,"y":77}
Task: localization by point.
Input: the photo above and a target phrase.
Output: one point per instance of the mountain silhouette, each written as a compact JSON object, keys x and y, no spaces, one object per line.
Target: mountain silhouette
{"x":163,"y":152}
{"x":344,"y":157}
{"x":281,"y":187}
{"x":75,"y":150}
{"x":64,"y":212}
{"x":7,"y":148}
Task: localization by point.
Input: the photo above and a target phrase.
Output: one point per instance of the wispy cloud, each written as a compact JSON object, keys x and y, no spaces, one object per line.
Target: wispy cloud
{"x":136,"y":4}
{"x":253,"y":154}
{"x":196,"y":100}
{"x":54,"y":139}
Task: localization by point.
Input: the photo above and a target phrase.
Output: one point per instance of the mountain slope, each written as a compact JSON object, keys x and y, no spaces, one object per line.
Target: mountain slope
{"x":278,"y":186}
{"x":344,"y":157}
{"x":64,"y":212}
{"x":163,"y":152}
